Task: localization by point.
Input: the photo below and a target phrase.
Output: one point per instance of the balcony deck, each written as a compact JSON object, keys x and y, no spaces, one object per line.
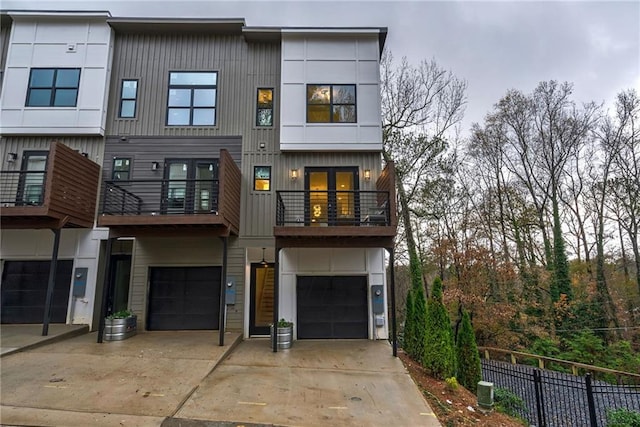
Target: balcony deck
{"x":162,"y":206}
{"x":63,"y":195}
{"x":338,"y":218}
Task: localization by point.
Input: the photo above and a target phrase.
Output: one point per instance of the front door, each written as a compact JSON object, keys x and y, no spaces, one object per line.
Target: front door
{"x":191,"y":186}
{"x":31,"y":185}
{"x":332,"y":196}
{"x":261,"y":310}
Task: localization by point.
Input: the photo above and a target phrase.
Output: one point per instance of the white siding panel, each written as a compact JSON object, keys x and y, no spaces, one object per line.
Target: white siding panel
{"x":12,"y":116}
{"x":293,"y":48}
{"x":61,"y":32}
{"x":49,"y":117}
{"x":329,"y":133}
{"x":23,"y":32}
{"x":14,"y":94}
{"x":290,"y":135}
{"x":56,"y":55}
{"x":96,"y":55}
{"x":293,"y":104}
{"x":372,"y":135}
{"x":315,"y":260}
{"x":87,"y":117}
{"x":368,"y":72}
{"x":368,"y":105}
{"x":90,"y":79}
{"x":369,"y":49}
{"x":349,"y":260}
{"x":20,"y":55}
{"x":324,"y":49}
{"x":331,"y":72}
{"x":293,"y":71}
{"x":98,"y":33}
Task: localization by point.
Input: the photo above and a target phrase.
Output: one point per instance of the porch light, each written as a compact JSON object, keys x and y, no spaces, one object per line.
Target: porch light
{"x":155,"y":166}
{"x":11,"y":157}
{"x":293,"y":174}
{"x":263,"y":262}
{"x":367,"y":174}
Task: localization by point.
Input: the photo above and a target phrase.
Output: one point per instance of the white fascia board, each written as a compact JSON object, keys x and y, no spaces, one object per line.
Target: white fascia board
{"x":89,"y":131}
{"x":58,"y":14}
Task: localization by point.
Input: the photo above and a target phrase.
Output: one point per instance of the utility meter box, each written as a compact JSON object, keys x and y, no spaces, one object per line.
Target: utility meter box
{"x":80,"y":282}
{"x":230,"y":291}
{"x":377,"y":299}
{"x":485,"y":395}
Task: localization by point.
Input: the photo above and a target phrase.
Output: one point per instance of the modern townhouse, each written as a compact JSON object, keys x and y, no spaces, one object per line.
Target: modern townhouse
{"x":242,"y":179}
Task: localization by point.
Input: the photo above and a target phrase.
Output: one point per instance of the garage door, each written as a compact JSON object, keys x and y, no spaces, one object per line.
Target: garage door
{"x":184,"y":298}
{"x":332,"y":307}
{"x":24,"y":291}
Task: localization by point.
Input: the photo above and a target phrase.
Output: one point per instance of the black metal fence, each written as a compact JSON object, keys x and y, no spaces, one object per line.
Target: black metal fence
{"x":22,"y":188}
{"x":331,"y":208}
{"x":556,"y":399}
{"x":160,"y":197}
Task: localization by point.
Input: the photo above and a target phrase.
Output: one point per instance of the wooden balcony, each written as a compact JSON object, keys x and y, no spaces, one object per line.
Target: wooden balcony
{"x":338,"y":218}
{"x":163,"y":206}
{"x":63,"y":195}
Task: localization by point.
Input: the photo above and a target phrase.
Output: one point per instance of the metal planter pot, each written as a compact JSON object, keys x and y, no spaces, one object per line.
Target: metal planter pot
{"x":284,"y":336}
{"x":120,"y":329}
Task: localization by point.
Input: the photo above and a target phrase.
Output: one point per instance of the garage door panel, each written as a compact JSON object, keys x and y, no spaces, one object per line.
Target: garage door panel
{"x":184,"y":298}
{"x":24,"y":291}
{"x":332,"y":307}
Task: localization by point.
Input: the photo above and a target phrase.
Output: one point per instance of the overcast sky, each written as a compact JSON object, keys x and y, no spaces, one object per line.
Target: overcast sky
{"x":494,"y":46}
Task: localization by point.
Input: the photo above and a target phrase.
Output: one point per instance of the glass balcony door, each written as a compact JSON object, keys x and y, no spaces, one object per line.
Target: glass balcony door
{"x":332,"y":196}
{"x":31,"y":183}
{"x":191,"y":186}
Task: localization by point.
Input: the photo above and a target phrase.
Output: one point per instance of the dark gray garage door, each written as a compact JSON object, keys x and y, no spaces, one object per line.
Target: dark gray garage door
{"x":184,"y":298}
{"x":24,"y":291}
{"x":332,"y":307}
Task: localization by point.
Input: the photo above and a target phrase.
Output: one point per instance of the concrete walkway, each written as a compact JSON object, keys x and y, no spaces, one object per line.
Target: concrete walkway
{"x":184,"y":378}
{"x":15,"y":338}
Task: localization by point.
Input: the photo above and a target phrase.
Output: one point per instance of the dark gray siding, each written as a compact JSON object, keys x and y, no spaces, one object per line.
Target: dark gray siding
{"x":242,"y":68}
{"x":144,"y":150}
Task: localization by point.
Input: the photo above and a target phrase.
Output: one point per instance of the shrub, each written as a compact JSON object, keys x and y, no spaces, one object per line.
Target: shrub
{"x":508,"y":402}
{"x":419,"y":323}
{"x":452,"y":383}
{"x":623,"y":418}
{"x":408,"y":339}
{"x":439,"y":355}
{"x":469,"y":368}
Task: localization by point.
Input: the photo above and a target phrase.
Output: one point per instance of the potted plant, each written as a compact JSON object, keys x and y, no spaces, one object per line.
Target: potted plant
{"x":120,"y":325}
{"x":283,"y":333}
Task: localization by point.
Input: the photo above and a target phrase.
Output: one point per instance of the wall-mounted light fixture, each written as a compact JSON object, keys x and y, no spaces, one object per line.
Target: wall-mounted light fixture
{"x":155,"y":166}
{"x":85,"y":154}
{"x":367,"y":174}
{"x":11,"y":157}
{"x":293,"y":174}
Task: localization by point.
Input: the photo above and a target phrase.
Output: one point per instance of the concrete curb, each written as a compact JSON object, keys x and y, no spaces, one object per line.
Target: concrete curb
{"x":48,"y":340}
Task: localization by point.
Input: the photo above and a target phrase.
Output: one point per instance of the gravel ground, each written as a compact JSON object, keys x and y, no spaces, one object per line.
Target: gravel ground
{"x":564,"y":396}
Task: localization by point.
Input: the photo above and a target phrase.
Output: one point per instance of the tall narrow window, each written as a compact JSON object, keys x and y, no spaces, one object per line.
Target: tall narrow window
{"x":128,"y":99}
{"x":331,"y":103}
{"x":53,"y":87}
{"x":121,"y":168}
{"x":192,"y":98}
{"x":264,"y":112}
{"x":262,"y":178}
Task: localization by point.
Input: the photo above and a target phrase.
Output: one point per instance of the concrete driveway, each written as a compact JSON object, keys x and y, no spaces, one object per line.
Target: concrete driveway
{"x":185,"y":378}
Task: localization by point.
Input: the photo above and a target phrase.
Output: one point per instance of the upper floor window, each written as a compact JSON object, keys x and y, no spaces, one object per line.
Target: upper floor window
{"x":53,"y":87}
{"x":264,"y":110}
{"x":331,"y":103}
{"x":128,"y":98}
{"x":192,"y":98}
{"x":121,"y":168}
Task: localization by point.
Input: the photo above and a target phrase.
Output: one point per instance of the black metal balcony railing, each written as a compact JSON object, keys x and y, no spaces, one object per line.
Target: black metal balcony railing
{"x":22,"y":188}
{"x":160,"y":197}
{"x":332,"y":208}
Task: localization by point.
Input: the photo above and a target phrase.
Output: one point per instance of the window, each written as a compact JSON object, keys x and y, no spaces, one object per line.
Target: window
{"x":128,"y":98}
{"x":53,"y":87}
{"x":262,"y":178}
{"x":192,"y":99}
{"x":264,"y":112}
{"x":121,"y":169}
{"x":331,"y":103}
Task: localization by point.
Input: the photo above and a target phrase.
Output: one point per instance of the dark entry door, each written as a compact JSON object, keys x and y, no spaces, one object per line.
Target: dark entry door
{"x":332,"y":307}
{"x":31,"y":184}
{"x":184,"y":298}
{"x":332,"y":196}
{"x":191,"y":186}
{"x":24,"y":291}
{"x":261,"y":314}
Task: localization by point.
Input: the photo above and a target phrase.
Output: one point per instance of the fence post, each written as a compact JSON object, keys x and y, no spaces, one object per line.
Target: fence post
{"x":537,"y":386}
{"x":590,"y":401}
